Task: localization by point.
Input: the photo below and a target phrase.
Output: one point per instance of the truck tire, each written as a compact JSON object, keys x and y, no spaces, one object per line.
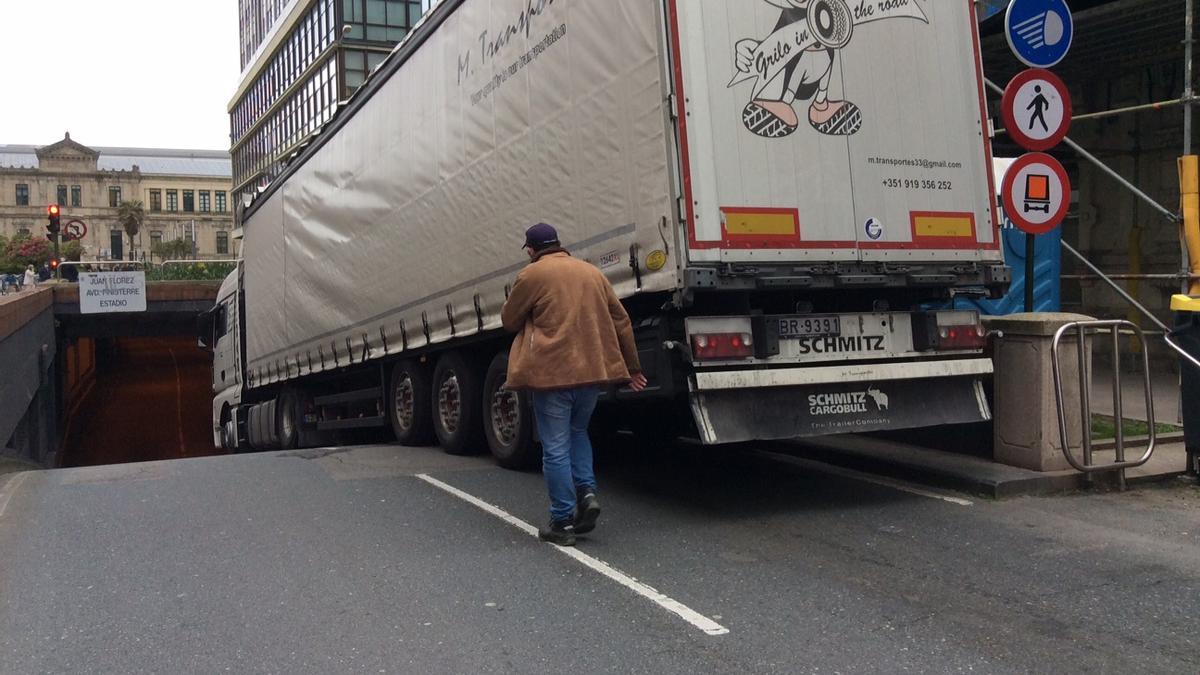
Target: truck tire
{"x":508,"y":420}
{"x":254,"y":438}
{"x":409,"y":404}
{"x":287,"y":419}
{"x":228,"y":431}
{"x":457,"y":401}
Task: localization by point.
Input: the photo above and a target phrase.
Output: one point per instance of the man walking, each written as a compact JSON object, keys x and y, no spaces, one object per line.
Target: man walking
{"x":573,"y":338}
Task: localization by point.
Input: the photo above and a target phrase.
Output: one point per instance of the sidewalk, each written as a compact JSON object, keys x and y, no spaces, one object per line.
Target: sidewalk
{"x":1164,"y":385}
{"x":975,"y":475}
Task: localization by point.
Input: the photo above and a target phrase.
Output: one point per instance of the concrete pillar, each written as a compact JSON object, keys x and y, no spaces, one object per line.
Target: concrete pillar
{"x":1026,"y":414}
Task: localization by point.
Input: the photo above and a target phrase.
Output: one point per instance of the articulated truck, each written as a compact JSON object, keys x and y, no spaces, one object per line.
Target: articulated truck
{"x":780,"y":191}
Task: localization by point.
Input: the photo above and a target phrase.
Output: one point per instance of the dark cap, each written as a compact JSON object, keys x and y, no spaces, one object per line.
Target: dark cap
{"x":540,"y":236}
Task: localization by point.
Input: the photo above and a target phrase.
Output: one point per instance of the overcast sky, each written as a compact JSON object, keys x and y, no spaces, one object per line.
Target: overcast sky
{"x":139,"y":73}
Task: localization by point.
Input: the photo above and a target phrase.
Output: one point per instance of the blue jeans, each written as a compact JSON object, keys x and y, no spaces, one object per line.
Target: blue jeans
{"x":562,"y":421}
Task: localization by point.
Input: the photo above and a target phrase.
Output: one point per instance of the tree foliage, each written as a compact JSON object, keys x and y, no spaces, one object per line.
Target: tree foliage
{"x":176,"y":249}
{"x":189,"y":272}
{"x":24,"y":250}
{"x":131,"y":215}
{"x":72,"y":250}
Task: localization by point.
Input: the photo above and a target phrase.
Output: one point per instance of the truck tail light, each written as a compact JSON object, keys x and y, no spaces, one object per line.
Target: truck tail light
{"x":720,"y":338}
{"x":722,"y":346}
{"x":948,"y":330}
{"x":962,"y":337}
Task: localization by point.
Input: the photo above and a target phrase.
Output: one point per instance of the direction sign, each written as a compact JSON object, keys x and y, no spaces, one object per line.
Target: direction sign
{"x":1039,"y":31}
{"x":1036,"y":193}
{"x":103,"y":292}
{"x":1037,"y":109}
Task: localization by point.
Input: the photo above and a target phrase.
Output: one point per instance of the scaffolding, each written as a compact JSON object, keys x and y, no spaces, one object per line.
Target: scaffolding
{"x":1114,"y":36}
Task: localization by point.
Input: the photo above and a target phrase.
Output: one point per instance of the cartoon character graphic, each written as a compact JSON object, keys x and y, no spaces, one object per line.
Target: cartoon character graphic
{"x":796,"y":63}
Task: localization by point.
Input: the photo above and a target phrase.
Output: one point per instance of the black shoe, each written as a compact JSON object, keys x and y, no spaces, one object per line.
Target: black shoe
{"x":560,"y":532}
{"x":587,"y":511}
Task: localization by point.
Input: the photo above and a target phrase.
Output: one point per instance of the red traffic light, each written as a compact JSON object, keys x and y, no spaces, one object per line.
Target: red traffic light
{"x":52,"y":209}
{"x":54,"y":263}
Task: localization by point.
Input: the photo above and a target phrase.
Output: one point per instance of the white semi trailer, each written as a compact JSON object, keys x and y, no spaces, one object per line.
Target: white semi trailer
{"x":778,"y":190}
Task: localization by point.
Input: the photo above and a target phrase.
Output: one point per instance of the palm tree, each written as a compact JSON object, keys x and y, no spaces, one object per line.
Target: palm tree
{"x":131,"y":215}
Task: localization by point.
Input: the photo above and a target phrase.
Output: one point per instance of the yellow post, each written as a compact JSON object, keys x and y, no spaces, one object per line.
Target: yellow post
{"x":1189,"y":196}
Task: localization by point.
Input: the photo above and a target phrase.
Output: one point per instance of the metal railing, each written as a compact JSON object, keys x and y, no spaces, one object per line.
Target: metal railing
{"x":1168,"y":332}
{"x":197,"y":261}
{"x":102,"y":263}
{"x":1083,"y":330}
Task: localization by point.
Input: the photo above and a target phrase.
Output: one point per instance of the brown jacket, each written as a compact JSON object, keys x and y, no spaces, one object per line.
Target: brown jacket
{"x":571,"y":329}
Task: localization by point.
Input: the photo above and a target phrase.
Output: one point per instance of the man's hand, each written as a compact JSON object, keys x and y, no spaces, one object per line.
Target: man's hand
{"x":638,"y":382}
{"x":744,"y":54}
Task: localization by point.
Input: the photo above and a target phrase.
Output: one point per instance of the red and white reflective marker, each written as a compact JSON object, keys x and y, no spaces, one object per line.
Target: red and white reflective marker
{"x":1036,"y":193}
{"x":1036,"y":109}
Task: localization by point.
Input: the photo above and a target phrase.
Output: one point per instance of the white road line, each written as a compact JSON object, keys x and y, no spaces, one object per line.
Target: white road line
{"x":10,"y":489}
{"x":686,"y":613}
{"x":178,"y":399}
{"x":864,"y":477}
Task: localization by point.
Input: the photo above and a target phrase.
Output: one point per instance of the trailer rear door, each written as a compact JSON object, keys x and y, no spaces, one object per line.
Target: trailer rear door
{"x":822,"y":130}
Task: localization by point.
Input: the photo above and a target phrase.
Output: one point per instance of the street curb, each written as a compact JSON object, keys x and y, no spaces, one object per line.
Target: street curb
{"x":9,"y":486}
{"x":939,"y":468}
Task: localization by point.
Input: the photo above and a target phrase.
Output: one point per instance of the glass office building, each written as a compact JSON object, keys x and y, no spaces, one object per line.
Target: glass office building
{"x":299,"y":60}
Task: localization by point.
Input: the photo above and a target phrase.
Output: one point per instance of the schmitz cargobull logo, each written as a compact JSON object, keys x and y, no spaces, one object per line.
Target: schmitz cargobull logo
{"x":848,"y":403}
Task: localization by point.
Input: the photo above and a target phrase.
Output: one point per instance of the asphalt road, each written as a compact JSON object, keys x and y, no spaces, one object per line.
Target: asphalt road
{"x":349,"y":561}
{"x":152,"y":400}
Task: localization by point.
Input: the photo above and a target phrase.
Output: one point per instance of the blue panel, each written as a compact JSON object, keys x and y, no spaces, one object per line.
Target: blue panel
{"x":990,"y":8}
{"x":1047,"y":288}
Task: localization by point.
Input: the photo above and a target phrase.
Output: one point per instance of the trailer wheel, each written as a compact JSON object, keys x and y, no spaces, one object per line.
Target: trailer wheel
{"x":457,"y":397}
{"x":228,"y":432}
{"x":287,"y":419}
{"x":409,"y":405}
{"x":508,"y":419}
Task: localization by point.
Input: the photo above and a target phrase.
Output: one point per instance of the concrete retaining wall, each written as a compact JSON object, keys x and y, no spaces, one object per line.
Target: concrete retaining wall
{"x":28,"y":397}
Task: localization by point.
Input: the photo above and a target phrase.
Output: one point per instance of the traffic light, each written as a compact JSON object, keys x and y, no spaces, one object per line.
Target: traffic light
{"x":54,"y":264}
{"x":53,"y":227}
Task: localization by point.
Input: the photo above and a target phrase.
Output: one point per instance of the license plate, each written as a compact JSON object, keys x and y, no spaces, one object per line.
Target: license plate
{"x":809,"y":326}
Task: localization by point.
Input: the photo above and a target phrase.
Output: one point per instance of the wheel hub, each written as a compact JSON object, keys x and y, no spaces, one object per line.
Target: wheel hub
{"x":287,"y":424}
{"x":404,"y":397}
{"x":506,"y":418}
{"x":450,"y":403}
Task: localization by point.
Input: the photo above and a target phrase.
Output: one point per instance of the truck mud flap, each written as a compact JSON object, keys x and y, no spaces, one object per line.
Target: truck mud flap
{"x":737,"y":415}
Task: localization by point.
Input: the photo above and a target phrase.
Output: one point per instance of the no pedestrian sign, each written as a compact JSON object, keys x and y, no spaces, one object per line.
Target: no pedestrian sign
{"x":1036,"y":193}
{"x":1039,"y":31}
{"x":103,"y":292}
{"x":1037,"y":109}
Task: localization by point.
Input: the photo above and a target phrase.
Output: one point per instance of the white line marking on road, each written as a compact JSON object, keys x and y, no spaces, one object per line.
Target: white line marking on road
{"x":11,"y":489}
{"x":865,"y":477}
{"x":686,"y":613}
{"x":178,"y":399}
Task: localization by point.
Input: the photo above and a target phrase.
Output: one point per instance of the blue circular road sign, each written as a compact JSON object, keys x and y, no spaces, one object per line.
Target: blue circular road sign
{"x":1039,"y":31}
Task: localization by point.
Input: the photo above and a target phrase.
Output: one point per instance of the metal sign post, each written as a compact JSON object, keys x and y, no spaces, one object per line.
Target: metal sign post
{"x":1037,"y":195}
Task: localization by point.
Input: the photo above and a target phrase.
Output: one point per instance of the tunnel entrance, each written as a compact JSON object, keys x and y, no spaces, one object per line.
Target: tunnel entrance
{"x":138,"y":399}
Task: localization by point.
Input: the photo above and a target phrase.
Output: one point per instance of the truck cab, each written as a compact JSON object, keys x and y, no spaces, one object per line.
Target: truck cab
{"x":220,"y":332}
